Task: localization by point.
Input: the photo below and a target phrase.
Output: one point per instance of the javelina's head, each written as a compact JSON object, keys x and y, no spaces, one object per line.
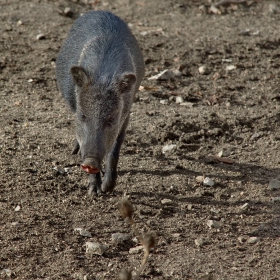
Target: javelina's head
{"x":102,"y":108}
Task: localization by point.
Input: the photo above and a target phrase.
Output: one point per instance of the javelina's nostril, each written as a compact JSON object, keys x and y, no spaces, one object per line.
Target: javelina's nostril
{"x":90,"y":169}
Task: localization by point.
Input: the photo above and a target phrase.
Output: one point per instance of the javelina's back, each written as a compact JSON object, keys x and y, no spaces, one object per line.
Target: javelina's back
{"x":103,"y":44}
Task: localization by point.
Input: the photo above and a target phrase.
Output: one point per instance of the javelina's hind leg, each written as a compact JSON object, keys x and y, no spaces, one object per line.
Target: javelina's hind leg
{"x":112,"y":160}
{"x":94,"y":184}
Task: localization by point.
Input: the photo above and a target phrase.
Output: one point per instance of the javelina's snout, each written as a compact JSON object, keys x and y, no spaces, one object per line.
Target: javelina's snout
{"x":91,"y":166}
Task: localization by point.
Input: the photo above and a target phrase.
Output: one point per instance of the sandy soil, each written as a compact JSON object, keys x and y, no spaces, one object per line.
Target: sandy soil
{"x":220,"y":109}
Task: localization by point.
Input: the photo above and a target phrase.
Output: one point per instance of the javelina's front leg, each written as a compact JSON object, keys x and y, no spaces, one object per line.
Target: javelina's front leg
{"x":76,"y":148}
{"x":94,"y":183}
{"x":112,"y":160}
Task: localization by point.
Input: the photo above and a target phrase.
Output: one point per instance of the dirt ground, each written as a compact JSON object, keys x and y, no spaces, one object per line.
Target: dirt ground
{"x":220,"y":108}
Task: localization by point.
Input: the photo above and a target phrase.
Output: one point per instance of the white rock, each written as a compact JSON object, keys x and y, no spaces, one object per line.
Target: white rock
{"x":95,"y":248}
{"x":253,"y":240}
{"x":166,"y":201}
{"x":204,"y":70}
{"x":119,"y":237}
{"x":40,"y":37}
{"x":274,"y":184}
{"x":244,"y":206}
{"x":187,"y":104}
{"x":242,"y":239}
{"x":163,"y":76}
{"x":213,"y":224}
{"x":224,"y":153}
{"x":179,"y":99}
{"x":168,"y":148}
{"x":230,"y":67}
{"x":82,"y":232}
{"x":199,"y":241}
{"x":163,"y":101}
{"x":136,"y":250}
{"x":17,"y":208}
{"x":199,"y":179}
{"x":59,"y":170}
{"x":208,"y":182}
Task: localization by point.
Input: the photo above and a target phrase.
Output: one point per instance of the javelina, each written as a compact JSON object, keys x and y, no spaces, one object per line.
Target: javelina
{"x":99,"y":68}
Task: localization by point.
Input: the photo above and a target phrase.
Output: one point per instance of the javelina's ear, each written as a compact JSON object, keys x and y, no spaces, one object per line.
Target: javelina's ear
{"x":126,"y":82}
{"x":80,"y":76}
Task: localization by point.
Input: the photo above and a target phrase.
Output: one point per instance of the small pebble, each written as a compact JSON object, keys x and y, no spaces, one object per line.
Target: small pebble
{"x":253,"y":240}
{"x":82,"y":232}
{"x":40,"y":37}
{"x":208,"y":182}
{"x":204,"y":70}
{"x":163,"y":76}
{"x":136,"y":250}
{"x":245,"y":206}
{"x":163,"y":101}
{"x":95,"y":248}
{"x":230,"y":67}
{"x":179,"y":99}
{"x":200,"y":241}
{"x":119,"y":237}
{"x":242,"y":239}
{"x":199,"y":179}
{"x":166,"y":201}
{"x":168,"y":148}
{"x":17,"y":208}
{"x":213,"y":224}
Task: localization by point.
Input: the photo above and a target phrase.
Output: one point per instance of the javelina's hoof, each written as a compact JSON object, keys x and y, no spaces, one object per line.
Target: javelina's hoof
{"x":108,"y":185}
{"x":94,"y":184}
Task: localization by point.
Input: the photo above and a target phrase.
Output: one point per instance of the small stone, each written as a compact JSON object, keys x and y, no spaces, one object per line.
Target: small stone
{"x":253,"y":240}
{"x":204,"y":70}
{"x":213,"y":224}
{"x":187,"y":104}
{"x":199,"y":179}
{"x":166,"y":201}
{"x":177,"y":73}
{"x":179,"y":99}
{"x":200,"y":241}
{"x":67,"y":169}
{"x":15,"y":224}
{"x":163,"y":76}
{"x":208,"y":182}
{"x":136,"y":250}
{"x":118,"y":237}
{"x":224,"y":153}
{"x":95,"y":248}
{"x":274,"y":184}
{"x":17,"y":208}
{"x":163,"y":101}
{"x":168,"y":148}
{"x":40,"y":37}
{"x":68,"y":12}
{"x":189,"y":207}
{"x":242,"y":239}
{"x":19,"y":23}
{"x":230,"y":67}
{"x":82,"y":232}
{"x":255,"y":136}
{"x":245,"y":206}
{"x":59,"y":170}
